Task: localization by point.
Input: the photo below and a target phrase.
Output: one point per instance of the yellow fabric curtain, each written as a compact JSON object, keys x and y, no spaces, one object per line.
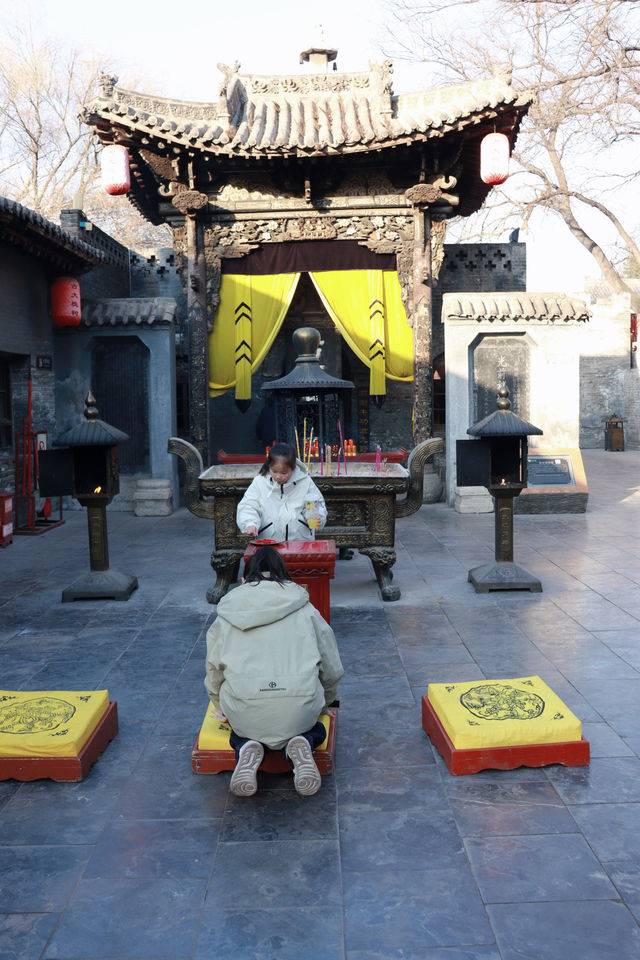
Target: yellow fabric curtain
{"x":366,"y":307}
{"x":247,"y":320}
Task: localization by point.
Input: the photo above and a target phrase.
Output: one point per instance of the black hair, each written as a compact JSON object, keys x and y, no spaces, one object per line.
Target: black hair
{"x":266,"y":564}
{"x":279,"y":451}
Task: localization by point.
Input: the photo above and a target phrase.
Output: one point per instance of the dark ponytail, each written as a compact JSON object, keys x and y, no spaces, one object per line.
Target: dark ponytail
{"x":279,"y":451}
{"x":266,"y":564}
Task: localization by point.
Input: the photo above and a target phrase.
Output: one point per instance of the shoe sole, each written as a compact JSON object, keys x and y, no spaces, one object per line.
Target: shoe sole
{"x":306,"y":776}
{"x":243,"y":780}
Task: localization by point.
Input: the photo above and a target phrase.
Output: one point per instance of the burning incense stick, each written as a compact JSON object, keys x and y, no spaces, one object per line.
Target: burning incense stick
{"x":342,"y":447}
{"x":309,"y":451}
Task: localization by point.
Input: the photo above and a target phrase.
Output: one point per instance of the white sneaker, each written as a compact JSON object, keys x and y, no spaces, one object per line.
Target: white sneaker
{"x":244,"y":778}
{"x":306,"y":776}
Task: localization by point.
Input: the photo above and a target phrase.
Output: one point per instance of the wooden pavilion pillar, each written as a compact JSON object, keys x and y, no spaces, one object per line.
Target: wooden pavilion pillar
{"x":422,"y":320}
{"x":190,"y":202}
{"x":429,"y":228}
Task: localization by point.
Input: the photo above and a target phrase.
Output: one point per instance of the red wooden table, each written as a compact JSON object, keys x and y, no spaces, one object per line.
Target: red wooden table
{"x":312,"y":564}
{"x":391,"y":456}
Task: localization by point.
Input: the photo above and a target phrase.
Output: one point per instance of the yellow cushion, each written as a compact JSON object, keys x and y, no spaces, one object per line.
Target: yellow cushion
{"x":49,"y":723}
{"x":502,"y":713}
{"x":214,"y":735}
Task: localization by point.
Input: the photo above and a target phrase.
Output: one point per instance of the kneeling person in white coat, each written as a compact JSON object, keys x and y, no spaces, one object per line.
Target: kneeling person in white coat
{"x":272,"y":667}
{"x":274,"y":504}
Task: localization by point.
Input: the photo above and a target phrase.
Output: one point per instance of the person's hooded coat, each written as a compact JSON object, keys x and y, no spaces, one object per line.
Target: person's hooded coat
{"x":272,"y":662}
{"x":277,"y":510}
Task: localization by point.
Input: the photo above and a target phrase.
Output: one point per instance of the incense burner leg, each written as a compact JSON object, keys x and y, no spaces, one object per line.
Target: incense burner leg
{"x":382,"y":560}
{"x":345,"y":553}
{"x":226,"y":563}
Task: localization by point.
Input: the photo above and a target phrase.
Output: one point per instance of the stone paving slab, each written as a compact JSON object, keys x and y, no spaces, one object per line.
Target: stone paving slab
{"x":394,"y":859}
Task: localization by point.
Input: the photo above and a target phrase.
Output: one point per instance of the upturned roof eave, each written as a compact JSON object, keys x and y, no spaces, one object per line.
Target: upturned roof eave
{"x":134,"y":129}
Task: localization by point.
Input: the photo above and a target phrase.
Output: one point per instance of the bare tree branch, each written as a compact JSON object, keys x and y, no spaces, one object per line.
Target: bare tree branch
{"x":580,"y":57}
{"x":46,"y":156}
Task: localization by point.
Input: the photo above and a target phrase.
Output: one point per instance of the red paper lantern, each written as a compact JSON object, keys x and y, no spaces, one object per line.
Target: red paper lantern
{"x":66,"y":308}
{"x":114,"y":166}
{"x":494,"y":158}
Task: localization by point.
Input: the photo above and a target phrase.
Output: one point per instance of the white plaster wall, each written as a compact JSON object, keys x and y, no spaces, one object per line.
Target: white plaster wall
{"x":554,"y":356}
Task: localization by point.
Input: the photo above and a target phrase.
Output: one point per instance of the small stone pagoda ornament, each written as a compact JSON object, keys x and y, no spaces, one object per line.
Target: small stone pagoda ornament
{"x":498,"y":461}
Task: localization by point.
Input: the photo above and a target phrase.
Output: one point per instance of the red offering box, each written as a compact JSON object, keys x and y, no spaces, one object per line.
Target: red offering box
{"x":215,"y":761}
{"x":573,"y":753}
{"x":64,"y":768}
{"x":312,"y":564}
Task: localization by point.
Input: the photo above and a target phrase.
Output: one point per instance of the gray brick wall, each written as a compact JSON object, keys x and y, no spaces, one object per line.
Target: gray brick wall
{"x":469,"y":267}
{"x":606,"y":380}
{"x":632,"y":409}
{"x":109,"y":279}
{"x":154,"y":274}
{"x":25,"y":333}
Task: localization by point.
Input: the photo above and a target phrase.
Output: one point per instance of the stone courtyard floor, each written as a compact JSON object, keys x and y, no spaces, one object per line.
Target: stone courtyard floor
{"x":394,"y":859}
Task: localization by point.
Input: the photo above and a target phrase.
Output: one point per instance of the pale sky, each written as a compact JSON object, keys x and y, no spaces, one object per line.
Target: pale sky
{"x":172,"y":49}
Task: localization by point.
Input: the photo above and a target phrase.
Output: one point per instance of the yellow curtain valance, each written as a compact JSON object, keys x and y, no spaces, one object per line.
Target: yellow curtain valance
{"x":366,"y":307}
{"x":246,"y":323}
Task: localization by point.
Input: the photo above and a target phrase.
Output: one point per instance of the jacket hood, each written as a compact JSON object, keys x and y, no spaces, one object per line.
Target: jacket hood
{"x":299,"y":473}
{"x":257,"y":604}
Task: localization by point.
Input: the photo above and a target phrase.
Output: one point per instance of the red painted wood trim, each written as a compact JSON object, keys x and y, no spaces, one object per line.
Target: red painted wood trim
{"x":215,"y":761}
{"x":569,"y":753}
{"x":64,"y":768}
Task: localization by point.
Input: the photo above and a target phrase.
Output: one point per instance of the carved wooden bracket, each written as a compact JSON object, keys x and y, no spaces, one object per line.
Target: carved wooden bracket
{"x":423,"y":194}
{"x":438,"y":188}
{"x":189,"y":201}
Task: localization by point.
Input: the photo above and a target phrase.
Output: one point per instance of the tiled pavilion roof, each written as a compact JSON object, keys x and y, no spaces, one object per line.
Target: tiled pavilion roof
{"x":259,"y":121}
{"x":308,"y":114}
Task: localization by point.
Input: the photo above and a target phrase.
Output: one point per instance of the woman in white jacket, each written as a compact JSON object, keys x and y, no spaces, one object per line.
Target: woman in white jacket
{"x":274,"y":504}
{"x":272,"y":667}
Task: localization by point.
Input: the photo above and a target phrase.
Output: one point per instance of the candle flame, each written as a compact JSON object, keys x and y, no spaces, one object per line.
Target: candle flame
{"x":503,"y":482}
{"x":97,"y":490}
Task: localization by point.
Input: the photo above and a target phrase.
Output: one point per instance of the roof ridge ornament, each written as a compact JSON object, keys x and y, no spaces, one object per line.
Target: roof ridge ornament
{"x":229,"y":74}
{"x":106,"y":85}
{"x":382,"y":84}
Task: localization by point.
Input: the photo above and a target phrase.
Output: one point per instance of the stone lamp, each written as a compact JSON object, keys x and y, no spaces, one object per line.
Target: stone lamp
{"x":498,"y":461}
{"x":85,"y":466}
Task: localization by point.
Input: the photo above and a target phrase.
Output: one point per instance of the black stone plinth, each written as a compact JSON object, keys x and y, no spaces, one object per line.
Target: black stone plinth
{"x":502,"y":575}
{"x":101,"y":585}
